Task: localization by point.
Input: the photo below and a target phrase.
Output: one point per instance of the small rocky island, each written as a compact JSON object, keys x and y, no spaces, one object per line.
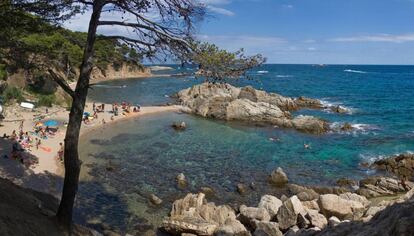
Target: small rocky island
{"x":226,"y":102}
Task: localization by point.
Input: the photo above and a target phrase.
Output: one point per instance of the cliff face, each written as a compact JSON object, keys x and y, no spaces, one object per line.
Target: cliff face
{"x":125,"y":71}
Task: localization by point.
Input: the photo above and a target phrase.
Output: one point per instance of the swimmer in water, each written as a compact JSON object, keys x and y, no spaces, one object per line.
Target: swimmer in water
{"x":306,"y":146}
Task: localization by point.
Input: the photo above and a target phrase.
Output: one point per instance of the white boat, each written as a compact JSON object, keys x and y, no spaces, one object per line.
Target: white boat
{"x":27,"y":105}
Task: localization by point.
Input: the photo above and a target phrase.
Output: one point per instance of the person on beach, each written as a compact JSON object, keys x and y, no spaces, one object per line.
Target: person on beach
{"x":61,"y":152}
{"x":13,"y":136}
{"x":94,"y":107}
{"x":103,"y":121}
{"x":112,"y":118}
{"x":38,"y":142}
{"x":21,"y":125}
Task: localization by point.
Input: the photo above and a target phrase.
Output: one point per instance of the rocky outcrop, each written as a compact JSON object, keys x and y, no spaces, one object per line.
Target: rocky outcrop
{"x":401,"y":165}
{"x":397,"y":219}
{"x":194,"y":215}
{"x":273,"y":217}
{"x":382,"y":186}
{"x":226,"y":102}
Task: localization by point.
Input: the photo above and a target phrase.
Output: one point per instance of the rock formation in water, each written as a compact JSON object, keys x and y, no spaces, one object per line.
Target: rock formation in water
{"x":226,"y":102}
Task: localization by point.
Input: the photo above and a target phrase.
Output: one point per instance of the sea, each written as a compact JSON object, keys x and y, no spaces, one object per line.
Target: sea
{"x":124,"y":163}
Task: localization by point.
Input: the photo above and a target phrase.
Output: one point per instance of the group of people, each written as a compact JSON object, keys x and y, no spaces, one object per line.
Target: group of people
{"x":123,"y":108}
{"x":24,"y":140}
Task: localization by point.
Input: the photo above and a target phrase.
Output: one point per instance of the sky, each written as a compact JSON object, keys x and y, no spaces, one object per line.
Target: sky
{"x":308,"y":31}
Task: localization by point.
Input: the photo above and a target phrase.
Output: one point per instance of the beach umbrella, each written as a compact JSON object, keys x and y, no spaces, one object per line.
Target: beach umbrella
{"x":51,"y":123}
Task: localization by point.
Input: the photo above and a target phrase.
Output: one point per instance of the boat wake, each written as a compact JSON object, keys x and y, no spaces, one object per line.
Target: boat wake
{"x":284,"y":76}
{"x":355,"y":71}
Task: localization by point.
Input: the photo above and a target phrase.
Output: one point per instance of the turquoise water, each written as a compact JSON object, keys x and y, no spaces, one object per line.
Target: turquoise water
{"x":148,"y":154}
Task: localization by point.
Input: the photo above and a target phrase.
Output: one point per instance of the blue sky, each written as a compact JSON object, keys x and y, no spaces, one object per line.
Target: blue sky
{"x":311,"y":31}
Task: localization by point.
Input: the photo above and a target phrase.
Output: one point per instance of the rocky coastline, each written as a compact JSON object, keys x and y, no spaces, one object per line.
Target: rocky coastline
{"x":226,"y":102}
{"x":377,"y":205}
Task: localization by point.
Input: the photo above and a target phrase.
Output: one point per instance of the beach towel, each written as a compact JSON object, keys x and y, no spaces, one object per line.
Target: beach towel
{"x":46,"y":149}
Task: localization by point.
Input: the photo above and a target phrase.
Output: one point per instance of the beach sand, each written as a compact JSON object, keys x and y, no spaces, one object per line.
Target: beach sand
{"x":46,"y":176}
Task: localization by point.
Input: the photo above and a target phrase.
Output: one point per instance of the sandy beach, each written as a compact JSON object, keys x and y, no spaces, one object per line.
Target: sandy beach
{"x":46,"y":175}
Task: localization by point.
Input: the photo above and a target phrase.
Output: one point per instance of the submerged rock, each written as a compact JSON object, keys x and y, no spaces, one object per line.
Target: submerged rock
{"x":155,"y":200}
{"x":179,"y":125}
{"x":278,"y":177}
{"x":339,"y":109}
{"x":347,"y":127}
{"x":181,"y":181}
{"x":241,"y":188}
{"x":226,"y":102}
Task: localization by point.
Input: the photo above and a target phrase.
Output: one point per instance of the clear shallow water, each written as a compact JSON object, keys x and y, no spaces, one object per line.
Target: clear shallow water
{"x":148,"y":154}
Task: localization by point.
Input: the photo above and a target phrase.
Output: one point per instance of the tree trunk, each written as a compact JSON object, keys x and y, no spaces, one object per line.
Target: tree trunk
{"x":71,"y":156}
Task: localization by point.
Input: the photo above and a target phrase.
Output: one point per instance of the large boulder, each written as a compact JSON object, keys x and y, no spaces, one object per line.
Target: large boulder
{"x":232,"y":228}
{"x":249,"y":215}
{"x":193,"y":214}
{"x":288,"y":213}
{"x":303,"y":193}
{"x":334,"y":205}
{"x":267,"y":229}
{"x":310,"y":124}
{"x":278,"y":177}
{"x":271,"y":204}
{"x":316,"y":219}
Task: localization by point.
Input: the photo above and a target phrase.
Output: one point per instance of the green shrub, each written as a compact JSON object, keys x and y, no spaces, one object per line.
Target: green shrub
{"x":46,"y":100}
{"x":11,"y":93}
{"x":3,"y":72}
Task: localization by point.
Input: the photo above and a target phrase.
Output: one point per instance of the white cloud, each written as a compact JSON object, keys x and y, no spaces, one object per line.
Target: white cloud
{"x":288,"y":6}
{"x":311,"y":49}
{"x":377,"y":38}
{"x":216,"y":6}
{"x":220,"y":10}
